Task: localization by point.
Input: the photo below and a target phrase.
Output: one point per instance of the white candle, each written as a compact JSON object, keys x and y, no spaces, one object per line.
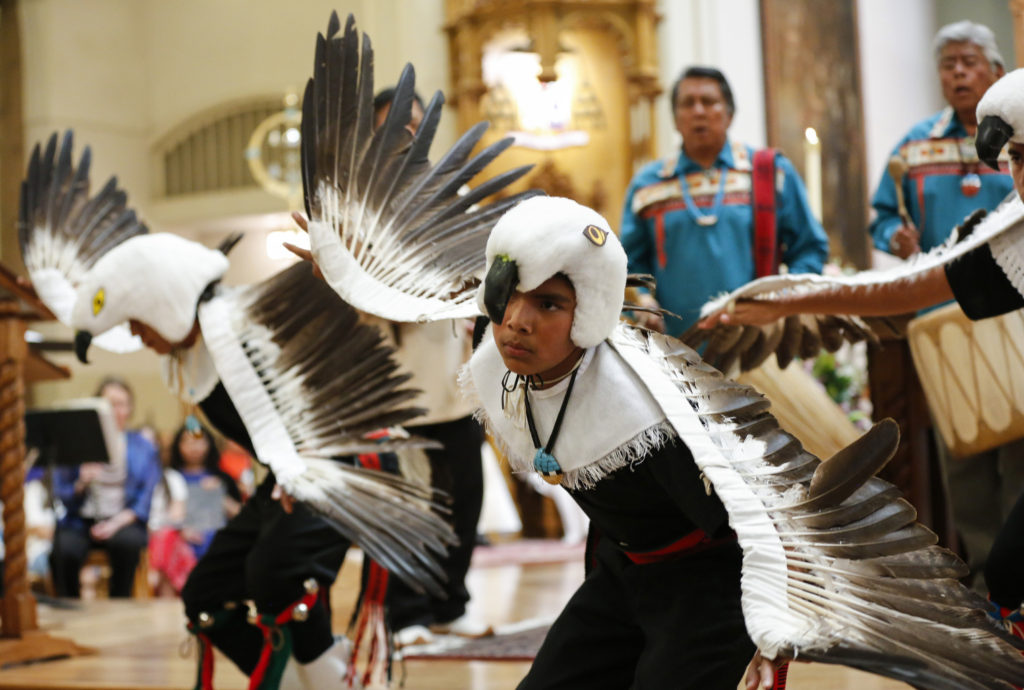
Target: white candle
{"x":812,"y":170}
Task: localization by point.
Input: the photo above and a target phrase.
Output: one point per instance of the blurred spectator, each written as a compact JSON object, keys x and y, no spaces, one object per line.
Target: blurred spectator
{"x":39,"y":525}
{"x":171,"y":558}
{"x":237,"y":464}
{"x":213,"y":497}
{"x":106,"y":505}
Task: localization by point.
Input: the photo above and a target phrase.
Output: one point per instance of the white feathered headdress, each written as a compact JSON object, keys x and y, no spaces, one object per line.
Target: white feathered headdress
{"x":63,"y":231}
{"x":544,"y":236}
{"x":156,"y":279}
{"x":1000,"y":117}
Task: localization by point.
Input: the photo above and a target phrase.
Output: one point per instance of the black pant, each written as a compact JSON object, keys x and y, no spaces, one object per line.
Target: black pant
{"x":71,"y":545}
{"x":674,"y":624}
{"x":457,"y":470}
{"x":265,"y":554}
{"x":1004,"y":568}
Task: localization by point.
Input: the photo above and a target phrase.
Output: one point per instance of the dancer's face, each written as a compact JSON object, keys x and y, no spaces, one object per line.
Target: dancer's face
{"x":152,"y":339}
{"x":1017,"y":167}
{"x":533,"y":338}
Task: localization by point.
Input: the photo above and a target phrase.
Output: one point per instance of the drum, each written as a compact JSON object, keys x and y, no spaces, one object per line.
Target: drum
{"x":972,"y":373}
{"x":802,"y":407}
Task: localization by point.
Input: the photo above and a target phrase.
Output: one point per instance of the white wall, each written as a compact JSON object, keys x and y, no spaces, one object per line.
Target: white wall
{"x":899,"y":82}
{"x":718,"y":33}
{"x":124,"y":72}
{"x":85,"y":67}
{"x":121,"y":73}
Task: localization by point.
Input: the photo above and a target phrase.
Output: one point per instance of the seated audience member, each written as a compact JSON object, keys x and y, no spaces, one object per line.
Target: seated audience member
{"x":39,"y":525}
{"x":213,"y":497}
{"x":171,"y":558}
{"x":106,"y":505}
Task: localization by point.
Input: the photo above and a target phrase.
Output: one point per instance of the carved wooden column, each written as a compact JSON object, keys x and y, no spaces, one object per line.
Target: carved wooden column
{"x":19,"y":611}
{"x":12,"y":146}
{"x":20,"y":640}
{"x":1017,"y":10}
{"x":612,"y":43}
{"x":644,"y":80}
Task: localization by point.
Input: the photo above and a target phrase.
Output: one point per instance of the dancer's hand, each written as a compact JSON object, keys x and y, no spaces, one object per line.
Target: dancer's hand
{"x":744,"y":313}
{"x":761,"y":671}
{"x":304,"y":254}
{"x":287,"y":502}
{"x":646,"y":319}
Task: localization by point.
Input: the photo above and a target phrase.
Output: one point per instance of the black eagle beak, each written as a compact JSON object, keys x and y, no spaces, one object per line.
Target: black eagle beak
{"x":499,"y":285}
{"x":993,"y":133}
{"x":82,"y":341}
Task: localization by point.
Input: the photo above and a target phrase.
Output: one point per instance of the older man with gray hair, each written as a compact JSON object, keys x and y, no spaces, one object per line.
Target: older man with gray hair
{"x":939,"y":176}
{"x":934,"y":179}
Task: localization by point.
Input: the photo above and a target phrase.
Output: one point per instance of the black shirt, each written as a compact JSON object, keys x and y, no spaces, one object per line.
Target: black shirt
{"x":655,"y":502}
{"x":221,"y":412}
{"x":980,"y":285}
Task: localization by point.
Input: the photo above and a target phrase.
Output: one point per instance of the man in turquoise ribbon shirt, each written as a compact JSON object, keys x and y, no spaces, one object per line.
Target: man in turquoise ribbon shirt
{"x":689,"y":220}
{"x":943,"y":182}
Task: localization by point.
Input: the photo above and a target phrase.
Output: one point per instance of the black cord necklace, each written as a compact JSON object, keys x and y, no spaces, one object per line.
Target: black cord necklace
{"x":543,"y":461}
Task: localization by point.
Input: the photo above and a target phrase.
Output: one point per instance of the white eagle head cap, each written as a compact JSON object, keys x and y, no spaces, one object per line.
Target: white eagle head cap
{"x":1000,"y":117}
{"x":155,"y":278}
{"x":544,"y":236}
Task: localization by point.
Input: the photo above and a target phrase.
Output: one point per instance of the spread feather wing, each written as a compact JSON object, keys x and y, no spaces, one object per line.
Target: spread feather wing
{"x":835,"y":568}
{"x":390,"y":231}
{"x":311,"y":383}
{"x":731,"y":347}
{"x":62,"y":231}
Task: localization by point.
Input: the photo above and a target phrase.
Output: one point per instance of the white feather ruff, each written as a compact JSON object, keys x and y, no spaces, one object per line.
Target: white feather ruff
{"x":1008,"y":252}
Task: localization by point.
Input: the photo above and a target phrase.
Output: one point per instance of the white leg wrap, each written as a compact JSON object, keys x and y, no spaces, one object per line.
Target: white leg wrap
{"x":327,"y":670}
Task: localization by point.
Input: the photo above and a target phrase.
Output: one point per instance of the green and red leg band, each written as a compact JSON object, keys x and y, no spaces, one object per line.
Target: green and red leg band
{"x":277,"y":642}
{"x":208,"y":623}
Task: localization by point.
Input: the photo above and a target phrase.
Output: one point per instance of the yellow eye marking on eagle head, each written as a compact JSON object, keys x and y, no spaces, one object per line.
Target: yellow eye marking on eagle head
{"x":596,"y":235}
{"x":98,"y":300}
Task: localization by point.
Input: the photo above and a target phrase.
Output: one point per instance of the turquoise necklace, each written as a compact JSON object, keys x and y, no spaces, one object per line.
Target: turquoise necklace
{"x":704,"y":220}
{"x":543,"y":461}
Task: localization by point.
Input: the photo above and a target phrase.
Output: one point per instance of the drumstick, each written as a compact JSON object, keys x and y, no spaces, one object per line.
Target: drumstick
{"x":897,"y":169}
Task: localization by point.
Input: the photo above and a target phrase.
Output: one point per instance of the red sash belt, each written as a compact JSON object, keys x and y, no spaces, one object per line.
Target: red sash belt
{"x":693,"y":542}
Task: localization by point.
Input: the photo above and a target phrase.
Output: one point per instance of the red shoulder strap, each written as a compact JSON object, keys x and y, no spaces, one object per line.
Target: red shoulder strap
{"x":766,"y":259}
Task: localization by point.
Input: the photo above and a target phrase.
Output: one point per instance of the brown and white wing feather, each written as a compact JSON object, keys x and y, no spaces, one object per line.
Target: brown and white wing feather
{"x":835,"y":568}
{"x":740,"y":348}
{"x":391,"y":231}
{"x":62,"y":230}
{"x":312,"y":383}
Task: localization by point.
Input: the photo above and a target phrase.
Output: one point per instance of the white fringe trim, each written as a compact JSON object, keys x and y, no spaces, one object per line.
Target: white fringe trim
{"x":629,"y":454}
{"x":1008,"y":252}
